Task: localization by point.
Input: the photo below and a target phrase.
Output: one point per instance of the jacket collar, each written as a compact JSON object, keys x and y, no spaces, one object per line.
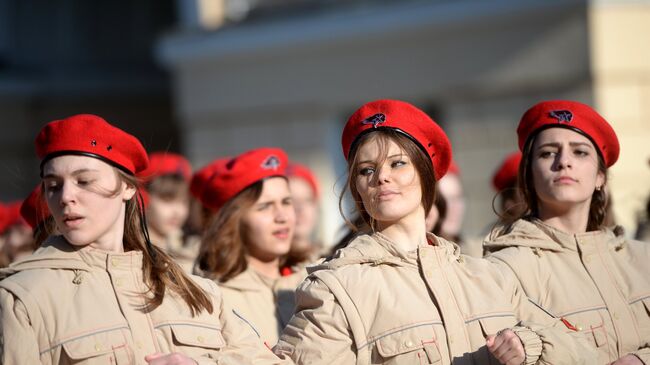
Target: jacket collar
{"x":534,"y":233}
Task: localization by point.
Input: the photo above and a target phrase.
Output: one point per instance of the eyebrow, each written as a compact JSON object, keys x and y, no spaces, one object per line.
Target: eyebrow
{"x":74,"y":173}
{"x":572,"y":144}
{"x":387,"y":157}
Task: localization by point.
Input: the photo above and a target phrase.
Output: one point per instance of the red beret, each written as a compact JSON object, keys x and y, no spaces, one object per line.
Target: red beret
{"x":405,"y":118}
{"x":233,"y":176}
{"x":34,"y":209}
{"x":506,"y":175}
{"x":572,"y":115}
{"x":4,"y":218}
{"x":166,"y":163}
{"x":303,"y":172}
{"x":13,"y":210}
{"x":90,"y":135}
{"x":201,"y":178}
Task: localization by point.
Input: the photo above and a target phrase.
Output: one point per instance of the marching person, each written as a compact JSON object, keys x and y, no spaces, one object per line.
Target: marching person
{"x":248,"y":237}
{"x":166,"y":182}
{"x":99,"y":292}
{"x":400,"y":295}
{"x":564,"y":257}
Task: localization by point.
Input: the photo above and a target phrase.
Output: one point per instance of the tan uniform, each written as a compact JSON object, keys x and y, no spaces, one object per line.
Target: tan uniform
{"x":376,"y":304}
{"x":84,"y":306}
{"x":598,"y":282}
{"x":267,"y":303}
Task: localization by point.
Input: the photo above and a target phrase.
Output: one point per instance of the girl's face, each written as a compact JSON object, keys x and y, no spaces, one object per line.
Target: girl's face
{"x":306,"y":205}
{"x":565,"y":169}
{"x":167,"y":216}
{"x":87,"y":200}
{"x":390,"y":189}
{"x":269,"y":224}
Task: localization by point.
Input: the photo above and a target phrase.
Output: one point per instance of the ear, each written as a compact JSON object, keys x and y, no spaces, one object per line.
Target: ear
{"x":128,"y":191}
{"x":600,"y":180}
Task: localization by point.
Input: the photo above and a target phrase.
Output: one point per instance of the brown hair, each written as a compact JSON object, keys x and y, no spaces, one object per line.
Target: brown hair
{"x":223,"y":252}
{"x":168,"y":187}
{"x":160,"y":272}
{"x":599,"y":198}
{"x":420,"y":160}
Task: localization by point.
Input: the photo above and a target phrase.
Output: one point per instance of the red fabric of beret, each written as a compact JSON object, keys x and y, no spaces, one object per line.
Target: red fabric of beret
{"x":34,"y":208}
{"x":90,"y":135}
{"x":166,"y":163}
{"x":405,"y":118}
{"x":233,"y":176}
{"x":303,"y":172}
{"x":506,"y":175}
{"x":572,"y":115}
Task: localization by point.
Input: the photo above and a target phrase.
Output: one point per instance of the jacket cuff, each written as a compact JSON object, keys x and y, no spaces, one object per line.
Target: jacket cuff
{"x":532,"y":344}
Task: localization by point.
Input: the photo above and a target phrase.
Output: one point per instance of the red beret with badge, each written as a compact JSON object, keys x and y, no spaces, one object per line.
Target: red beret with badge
{"x":303,"y":172}
{"x":34,"y":208}
{"x":406,"y":119}
{"x":232,"y":176}
{"x":573,"y":115}
{"x":166,"y":163}
{"x":506,"y":175}
{"x":90,"y":135}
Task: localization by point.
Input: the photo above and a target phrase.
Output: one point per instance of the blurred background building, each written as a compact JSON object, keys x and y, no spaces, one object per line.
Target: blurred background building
{"x":287,"y":73}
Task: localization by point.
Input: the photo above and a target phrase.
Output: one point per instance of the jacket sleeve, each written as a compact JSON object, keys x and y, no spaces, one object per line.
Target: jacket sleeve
{"x":318,"y":332}
{"x":18,"y":341}
{"x":559,"y":345}
{"x":243,"y":346}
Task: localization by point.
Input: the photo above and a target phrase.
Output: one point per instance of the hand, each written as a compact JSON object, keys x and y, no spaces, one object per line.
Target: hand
{"x":506,"y":347}
{"x":169,"y":359}
{"x":628,"y":359}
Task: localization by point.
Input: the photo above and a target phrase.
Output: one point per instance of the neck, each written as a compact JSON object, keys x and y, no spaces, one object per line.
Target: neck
{"x":301,"y":243}
{"x":407,"y":233}
{"x":268,"y":268}
{"x":571,"y":219}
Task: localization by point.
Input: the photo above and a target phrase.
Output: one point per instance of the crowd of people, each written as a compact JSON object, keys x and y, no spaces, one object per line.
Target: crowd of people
{"x":124,"y":256}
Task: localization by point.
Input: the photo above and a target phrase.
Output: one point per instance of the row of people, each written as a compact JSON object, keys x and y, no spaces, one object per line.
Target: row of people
{"x":98,"y":290}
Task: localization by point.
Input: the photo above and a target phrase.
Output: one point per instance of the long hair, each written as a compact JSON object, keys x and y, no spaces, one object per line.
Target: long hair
{"x":420,"y":160}
{"x":223,"y":253}
{"x":160,"y":272}
{"x":599,"y":198}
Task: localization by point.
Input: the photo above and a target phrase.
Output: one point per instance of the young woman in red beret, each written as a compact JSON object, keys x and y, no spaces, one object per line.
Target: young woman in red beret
{"x":400,"y":295}
{"x":166,"y":182}
{"x":249,"y":235}
{"x":567,"y":261}
{"x":305,"y":194}
{"x":98,"y":291}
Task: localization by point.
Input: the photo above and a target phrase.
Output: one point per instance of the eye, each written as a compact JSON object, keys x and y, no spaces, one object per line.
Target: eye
{"x":581,"y":153}
{"x":547,"y":154}
{"x":287,"y":202}
{"x":366,"y":171}
{"x":263,"y":206}
{"x":398,"y":163}
{"x":52,"y":186}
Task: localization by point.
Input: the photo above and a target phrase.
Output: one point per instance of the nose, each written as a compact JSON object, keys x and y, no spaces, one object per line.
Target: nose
{"x":281,"y":213}
{"x":563,"y":160}
{"x":383,"y":175}
{"x":67,"y":194}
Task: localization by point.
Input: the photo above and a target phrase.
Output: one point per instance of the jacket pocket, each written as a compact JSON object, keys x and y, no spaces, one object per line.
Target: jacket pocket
{"x":641,"y":310}
{"x":591,"y":323}
{"x":197,"y":341}
{"x":98,"y":348}
{"x":416,"y":345}
{"x":492,"y":325}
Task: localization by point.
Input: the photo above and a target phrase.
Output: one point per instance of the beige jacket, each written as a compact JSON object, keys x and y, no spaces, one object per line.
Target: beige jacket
{"x":376,"y":304}
{"x":84,"y":306}
{"x":598,"y":282}
{"x":267,"y":303}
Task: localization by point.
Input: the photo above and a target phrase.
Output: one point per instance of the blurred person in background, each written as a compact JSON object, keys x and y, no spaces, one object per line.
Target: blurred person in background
{"x":98,"y":291}
{"x":504,"y":182}
{"x":248,"y":237}
{"x":567,"y":260}
{"x":166,"y":184}
{"x":17,"y":235}
{"x":643,"y":228}
{"x":305,"y":193}
{"x":400,"y":295}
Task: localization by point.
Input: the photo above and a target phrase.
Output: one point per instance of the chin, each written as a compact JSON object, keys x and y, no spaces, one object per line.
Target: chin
{"x":76,"y":239}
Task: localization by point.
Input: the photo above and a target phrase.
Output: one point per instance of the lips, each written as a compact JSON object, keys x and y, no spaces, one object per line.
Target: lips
{"x":72,"y":220}
{"x":386,"y":194}
{"x":281,"y":234}
{"x":564,"y":180}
